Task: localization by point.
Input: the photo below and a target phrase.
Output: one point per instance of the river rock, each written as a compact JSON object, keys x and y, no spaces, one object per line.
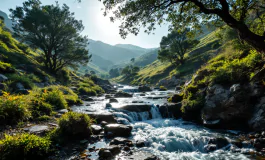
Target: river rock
{"x":140,"y":143}
{"x":96,"y":129}
{"x":114,"y":149}
{"x":220,"y":142}
{"x":170,"y":110}
{"x":144,"y":89}
{"x":113,"y":100}
{"x":105,"y":154}
{"x":118,"y":130}
{"x":121,"y":141}
{"x":176,"y":98}
{"x":20,"y":86}
{"x":99,"y":117}
{"x":141,"y":155}
{"x":136,"y":107}
{"x":122,"y":95}
{"x":37,"y":129}
{"x":3,"y":78}
{"x":210,"y":148}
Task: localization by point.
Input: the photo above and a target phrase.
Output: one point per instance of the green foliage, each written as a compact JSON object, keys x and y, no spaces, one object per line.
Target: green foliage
{"x":13,"y":109}
{"x":6,"y":68}
{"x":24,"y":146}
{"x":43,"y":118}
{"x":25,"y":80}
{"x":190,"y":13}
{"x":37,"y":24}
{"x":88,"y":87}
{"x":75,"y":125}
{"x":55,"y":98}
{"x":40,"y":108}
{"x":64,"y":76}
{"x":174,"y":46}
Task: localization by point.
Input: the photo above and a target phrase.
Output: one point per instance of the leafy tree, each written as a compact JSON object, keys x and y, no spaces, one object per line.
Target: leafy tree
{"x":174,"y":46}
{"x":245,"y":16}
{"x":135,"y":69}
{"x":126,"y":71}
{"x":114,"y":72}
{"x":133,"y":60}
{"x":54,"y":30}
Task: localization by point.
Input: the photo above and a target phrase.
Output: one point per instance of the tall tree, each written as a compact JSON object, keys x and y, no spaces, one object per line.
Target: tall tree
{"x":245,"y":16}
{"x":174,"y":46}
{"x":54,"y":30}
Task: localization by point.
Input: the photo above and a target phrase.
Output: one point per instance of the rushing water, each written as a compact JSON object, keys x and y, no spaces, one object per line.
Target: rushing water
{"x":169,"y":139}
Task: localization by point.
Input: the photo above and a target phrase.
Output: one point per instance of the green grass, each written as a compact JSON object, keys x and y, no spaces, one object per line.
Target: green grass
{"x":198,"y":56}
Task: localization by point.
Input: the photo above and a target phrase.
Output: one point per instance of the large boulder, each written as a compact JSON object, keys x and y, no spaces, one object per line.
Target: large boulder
{"x":144,"y":89}
{"x":257,"y":122}
{"x":96,"y":129}
{"x":226,"y":107}
{"x":113,"y":100}
{"x":99,"y":117}
{"x":118,"y":130}
{"x":122,"y":95}
{"x":20,"y":86}
{"x":169,"y":110}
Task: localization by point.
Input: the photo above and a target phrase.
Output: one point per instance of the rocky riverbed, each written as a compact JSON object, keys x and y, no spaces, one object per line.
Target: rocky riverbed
{"x":144,"y":126}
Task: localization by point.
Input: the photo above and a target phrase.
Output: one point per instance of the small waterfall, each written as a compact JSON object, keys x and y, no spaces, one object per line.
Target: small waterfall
{"x":155,"y":112}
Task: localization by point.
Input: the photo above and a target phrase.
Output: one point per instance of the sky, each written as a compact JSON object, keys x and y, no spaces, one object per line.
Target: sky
{"x":98,"y":27}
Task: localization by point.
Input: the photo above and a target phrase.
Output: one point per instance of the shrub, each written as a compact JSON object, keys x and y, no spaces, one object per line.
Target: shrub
{"x":24,"y":79}
{"x":13,"y":109}
{"x":64,"y":77}
{"x":40,"y":108}
{"x":6,"y":68}
{"x":70,"y":97}
{"x":75,"y":124}
{"x":43,"y":118}
{"x":24,"y":146}
{"x":87,"y":91}
{"x":55,"y":98}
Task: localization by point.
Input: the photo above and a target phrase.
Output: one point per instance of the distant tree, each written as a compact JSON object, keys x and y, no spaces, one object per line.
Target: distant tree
{"x":245,"y":16}
{"x":126,"y":71}
{"x":54,"y":30}
{"x":133,"y":60}
{"x":135,"y":69}
{"x":92,"y":72}
{"x":174,"y":46}
{"x":114,"y":72}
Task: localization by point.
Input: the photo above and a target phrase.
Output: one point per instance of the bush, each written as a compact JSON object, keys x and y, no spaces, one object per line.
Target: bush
{"x":75,"y":124}
{"x":24,"y":146}
{"x":64,"y":77}
{"x":70,"y":97}
{"x":55,"y":98}
{"x":13,"y":109}
{"x":24,"y":79}
{"x":87,"y":91}
{"x":43,"y":118}
{"x":6,"y":68}
{"x":40,"y":108}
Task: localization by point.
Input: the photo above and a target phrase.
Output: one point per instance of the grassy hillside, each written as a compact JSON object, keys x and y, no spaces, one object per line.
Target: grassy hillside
{"x":199,"y":55}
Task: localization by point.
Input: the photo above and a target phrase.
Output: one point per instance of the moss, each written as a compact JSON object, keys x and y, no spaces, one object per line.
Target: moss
{"x":43,"y":118}
{"x":75,"y":125}
{"x":88,"y":87}
{"x":24,"y":145}
{"x":40,"y":108}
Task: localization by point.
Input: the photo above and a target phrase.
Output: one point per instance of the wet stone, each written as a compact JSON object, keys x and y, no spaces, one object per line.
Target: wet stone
{"x":120,"y":141}
{"x":38,"y":129}
{"x":96,"y":129}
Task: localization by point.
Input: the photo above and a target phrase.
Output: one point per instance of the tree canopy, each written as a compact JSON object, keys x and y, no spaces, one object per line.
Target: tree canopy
{"x":174,"y":46}
{"x":245,"y":16}
{"x":54,"y":30}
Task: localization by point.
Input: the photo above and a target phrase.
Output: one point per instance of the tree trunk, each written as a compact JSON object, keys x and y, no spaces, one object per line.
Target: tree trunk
{"x":245,"y":34}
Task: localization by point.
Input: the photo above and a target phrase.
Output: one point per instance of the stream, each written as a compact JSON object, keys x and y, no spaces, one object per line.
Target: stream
{"x":168,"y":139}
